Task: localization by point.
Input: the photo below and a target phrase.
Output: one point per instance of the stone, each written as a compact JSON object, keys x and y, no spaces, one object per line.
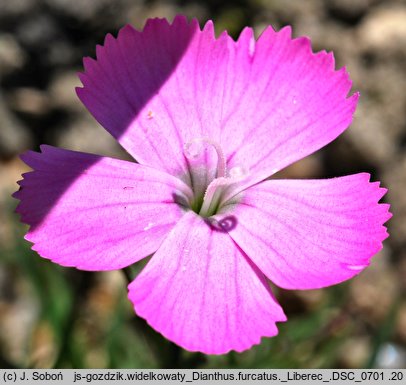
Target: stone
{"x":16,"y":8}
{"x":391,"y":356}
{"x":86,"y":135}
{"x":375,"y":285}
{"x":12,"y":56}
{"x":384,"y":30}
{"x":14,"y":136}
{"x":30,"y":101}
{"x":62,"y":91}
{"x":355,"y":352}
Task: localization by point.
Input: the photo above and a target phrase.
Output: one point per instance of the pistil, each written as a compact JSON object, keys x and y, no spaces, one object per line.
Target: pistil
{"x":214,"y":192}
{"x":194,"y":149}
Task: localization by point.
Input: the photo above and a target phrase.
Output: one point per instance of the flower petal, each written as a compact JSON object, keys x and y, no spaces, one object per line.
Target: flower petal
{"x":93,"y":212}
{"x":267,"y":103}
{"x":141,"y":89}
{"x":307,"y":234}
{"x":200,"y":291}
{"x":291,"y":102}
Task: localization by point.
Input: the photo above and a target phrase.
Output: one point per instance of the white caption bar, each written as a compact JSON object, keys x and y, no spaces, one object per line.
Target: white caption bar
{"x":208,"y":376}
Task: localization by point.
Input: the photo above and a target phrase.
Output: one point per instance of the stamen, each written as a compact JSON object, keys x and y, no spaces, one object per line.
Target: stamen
{"x":212,"y":197}
{"x":194,"y":149}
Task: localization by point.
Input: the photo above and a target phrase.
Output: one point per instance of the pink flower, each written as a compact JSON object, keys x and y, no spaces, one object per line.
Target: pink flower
{"x":208,"y":120}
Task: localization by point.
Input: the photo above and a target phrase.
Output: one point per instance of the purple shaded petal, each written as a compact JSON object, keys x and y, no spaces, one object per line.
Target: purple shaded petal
{"x":307,"y":234}
{"x":93,"y":212}
{"x":149,"y":88}
{"x":200,"y":291}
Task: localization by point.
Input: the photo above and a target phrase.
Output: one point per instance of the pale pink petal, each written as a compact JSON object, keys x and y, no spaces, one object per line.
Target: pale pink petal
{"x":200,"y":291}
{"x":290,"y":103}
{"x":307,"y":234}
{"x":93,"y":212}
{"x":267,"y":103}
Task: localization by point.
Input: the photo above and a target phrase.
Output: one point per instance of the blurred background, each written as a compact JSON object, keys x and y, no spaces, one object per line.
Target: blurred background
{"x":55,"y":317}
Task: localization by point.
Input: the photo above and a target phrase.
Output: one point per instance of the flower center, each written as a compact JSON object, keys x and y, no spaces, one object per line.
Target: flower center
{"x":210,"y":189}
